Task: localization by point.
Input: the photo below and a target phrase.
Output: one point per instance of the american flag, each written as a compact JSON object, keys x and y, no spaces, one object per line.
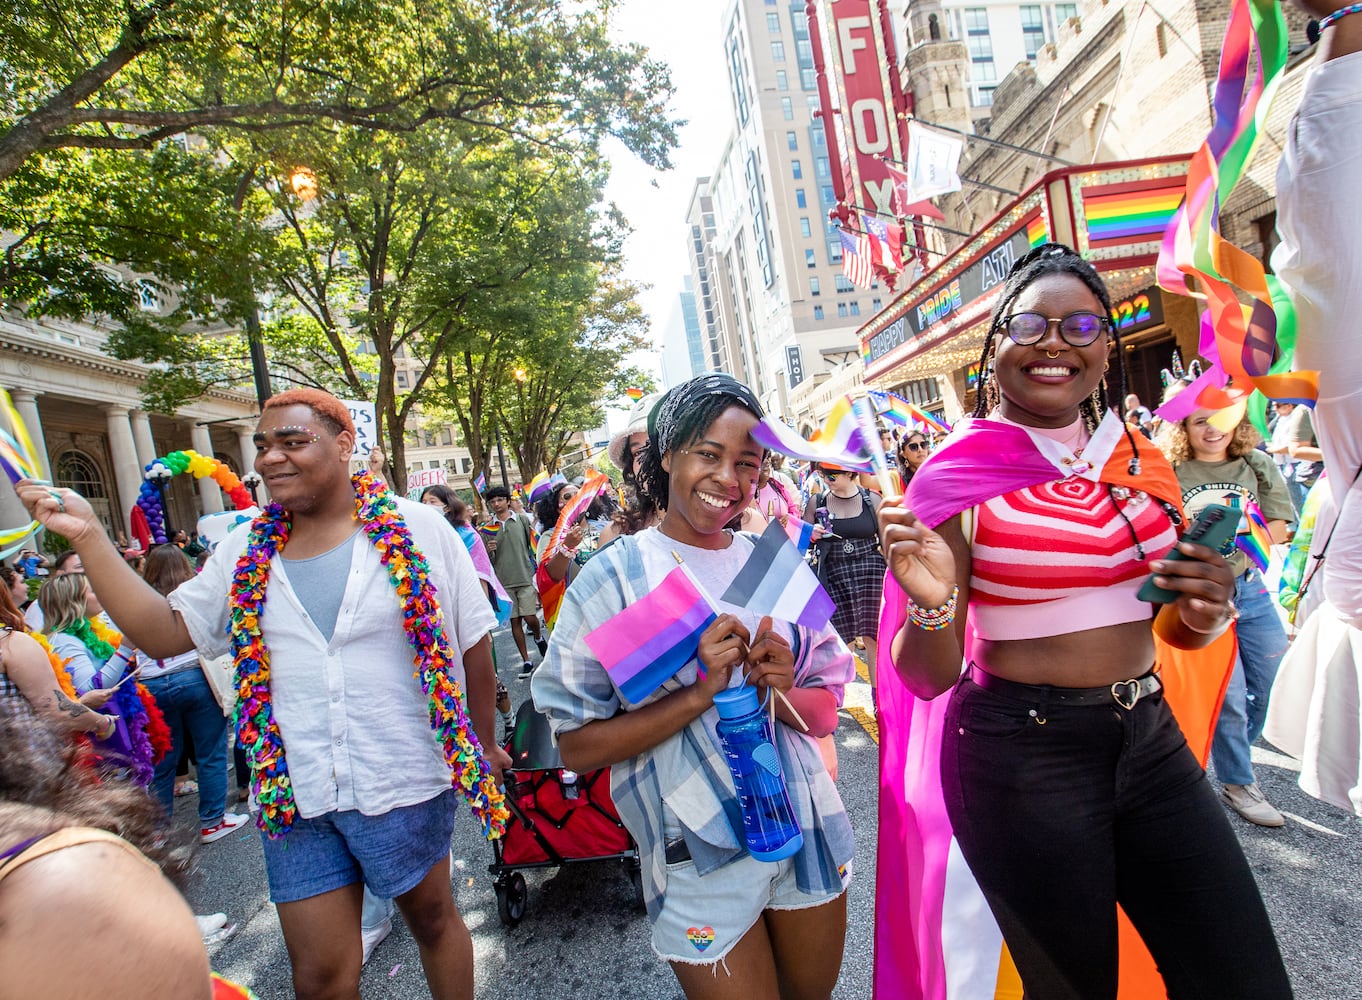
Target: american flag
{"x":857,"y":262}
{"x":886,"y":242}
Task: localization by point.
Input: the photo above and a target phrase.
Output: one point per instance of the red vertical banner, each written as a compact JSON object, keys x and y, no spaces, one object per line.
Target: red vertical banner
{"x":868,"y":128}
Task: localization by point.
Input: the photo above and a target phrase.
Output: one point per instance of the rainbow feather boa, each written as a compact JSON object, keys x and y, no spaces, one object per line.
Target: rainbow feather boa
{"x":257,"y":730}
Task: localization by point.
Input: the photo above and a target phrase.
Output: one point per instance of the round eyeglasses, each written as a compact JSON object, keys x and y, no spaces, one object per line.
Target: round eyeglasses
{"x":1078,"y":329}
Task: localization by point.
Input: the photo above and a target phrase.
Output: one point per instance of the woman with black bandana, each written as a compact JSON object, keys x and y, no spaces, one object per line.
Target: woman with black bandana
{"x":731,"y":926}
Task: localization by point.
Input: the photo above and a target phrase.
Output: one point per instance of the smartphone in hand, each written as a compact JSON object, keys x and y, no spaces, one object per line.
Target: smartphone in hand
{"x":1214,"y":527}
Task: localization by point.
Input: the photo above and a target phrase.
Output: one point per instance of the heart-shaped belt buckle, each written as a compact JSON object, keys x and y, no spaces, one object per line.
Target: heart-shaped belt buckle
{"x":1126,"y":693}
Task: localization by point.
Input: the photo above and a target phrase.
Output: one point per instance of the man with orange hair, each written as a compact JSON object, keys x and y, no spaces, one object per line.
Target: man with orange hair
{"x":324,"y":600}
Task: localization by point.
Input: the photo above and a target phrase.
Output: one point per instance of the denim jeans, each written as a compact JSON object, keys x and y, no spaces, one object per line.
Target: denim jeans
{"x":1262,"y":644}
{"x":186,"y":700}
{"x":1064,"y":811}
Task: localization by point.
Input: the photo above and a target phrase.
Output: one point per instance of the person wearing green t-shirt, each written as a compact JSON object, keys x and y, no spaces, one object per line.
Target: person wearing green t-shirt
{"x":511,"y":550}
{"x":1224,"y":467}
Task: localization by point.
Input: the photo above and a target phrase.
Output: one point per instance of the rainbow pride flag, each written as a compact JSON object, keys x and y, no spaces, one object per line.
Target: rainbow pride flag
{"x":634,"y":394}
{"x":1036,"y":232}
{"x":898,"y":410}
{"x":576,"y":507}
{"x":1133,"y":210}
{"x":1256,"y":543}
{"x":489,"y":529}
{"x":649,"y":641}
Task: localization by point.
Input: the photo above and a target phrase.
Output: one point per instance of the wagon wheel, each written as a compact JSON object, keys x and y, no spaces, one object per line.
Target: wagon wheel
{"x":636,"y":879}
{"x":511,"y":896}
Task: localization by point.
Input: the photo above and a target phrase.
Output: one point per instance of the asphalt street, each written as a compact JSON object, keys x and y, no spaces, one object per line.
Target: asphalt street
{"x":583,"y":934}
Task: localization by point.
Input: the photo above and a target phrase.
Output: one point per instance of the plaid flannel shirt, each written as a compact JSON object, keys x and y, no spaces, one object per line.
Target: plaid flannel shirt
{"x":686,"y":775}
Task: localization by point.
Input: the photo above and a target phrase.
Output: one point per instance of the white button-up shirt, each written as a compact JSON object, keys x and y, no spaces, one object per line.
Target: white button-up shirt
{"x":354,"y":720}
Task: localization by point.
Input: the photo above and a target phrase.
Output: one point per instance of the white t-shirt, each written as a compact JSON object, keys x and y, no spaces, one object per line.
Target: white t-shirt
{"x":355,"y":722}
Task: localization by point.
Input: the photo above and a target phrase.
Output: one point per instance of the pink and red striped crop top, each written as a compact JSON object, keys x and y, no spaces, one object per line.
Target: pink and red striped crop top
{"x":1059,"y":558}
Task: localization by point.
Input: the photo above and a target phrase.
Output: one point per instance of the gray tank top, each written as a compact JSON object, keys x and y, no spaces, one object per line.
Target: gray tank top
{"x":320,"y":583}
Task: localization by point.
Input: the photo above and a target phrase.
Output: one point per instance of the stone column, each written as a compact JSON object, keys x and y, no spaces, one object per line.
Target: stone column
{"x":123,"y":451}
{"x":209,"y":492}
{"x":26,"y":402}
{"x":244,"y":437}
{"x":141,"y":436}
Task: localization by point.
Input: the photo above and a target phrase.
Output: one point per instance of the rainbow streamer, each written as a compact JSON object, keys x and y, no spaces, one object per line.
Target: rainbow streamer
{"x":1256,"y":543}
{"x":1254,"y":345}
{"x":19,"y":459}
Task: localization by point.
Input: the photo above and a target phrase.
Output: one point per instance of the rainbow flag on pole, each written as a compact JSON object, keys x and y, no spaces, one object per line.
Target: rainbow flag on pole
{"x":898,"y":410}
{"x":1256,"y":543}
{"x":649,"y":641}
{"x":840,"y":442}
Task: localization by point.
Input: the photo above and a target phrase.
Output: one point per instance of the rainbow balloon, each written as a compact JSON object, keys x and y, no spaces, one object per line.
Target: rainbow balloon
{"x":199,"y":466}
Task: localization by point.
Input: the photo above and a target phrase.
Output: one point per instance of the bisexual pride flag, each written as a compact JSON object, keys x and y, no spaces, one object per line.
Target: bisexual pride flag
{"x":776,"y":581}
{"x":800,"y":534}
{"x":649,"y":641}
{"x":840,"y":442}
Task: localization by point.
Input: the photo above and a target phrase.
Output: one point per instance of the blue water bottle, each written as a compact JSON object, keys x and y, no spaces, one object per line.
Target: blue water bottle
{"x":768,"y":819}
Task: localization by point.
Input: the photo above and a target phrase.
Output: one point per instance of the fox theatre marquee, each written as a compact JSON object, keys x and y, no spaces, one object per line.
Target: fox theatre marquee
{"x":1113,"y":213}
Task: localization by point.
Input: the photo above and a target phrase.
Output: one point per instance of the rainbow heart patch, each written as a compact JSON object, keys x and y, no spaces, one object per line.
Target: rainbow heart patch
{"x":701,"y":937}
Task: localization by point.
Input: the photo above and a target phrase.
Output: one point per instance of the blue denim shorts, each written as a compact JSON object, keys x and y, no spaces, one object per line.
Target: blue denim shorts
{"x":390,"y":853}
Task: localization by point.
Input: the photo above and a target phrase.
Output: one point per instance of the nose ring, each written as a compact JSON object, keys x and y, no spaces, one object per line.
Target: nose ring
{"x":1052,"y":354}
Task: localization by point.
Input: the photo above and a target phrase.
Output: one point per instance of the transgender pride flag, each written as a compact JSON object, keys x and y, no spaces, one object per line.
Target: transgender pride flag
{"x":649,"y":641}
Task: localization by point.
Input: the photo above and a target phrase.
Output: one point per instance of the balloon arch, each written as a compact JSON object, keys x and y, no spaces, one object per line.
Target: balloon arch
{"x":177,"y":463}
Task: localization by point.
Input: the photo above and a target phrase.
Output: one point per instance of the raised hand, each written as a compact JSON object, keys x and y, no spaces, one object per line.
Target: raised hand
{"x":920,"y":559}
{"x":59,"y":510}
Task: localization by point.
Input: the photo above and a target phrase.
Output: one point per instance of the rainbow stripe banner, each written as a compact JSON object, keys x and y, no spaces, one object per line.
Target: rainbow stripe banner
{"x":1256,"y":543}
{"x":1255,"y":343}
{"x":1037,"y":232}
{"x":1120,"y":213}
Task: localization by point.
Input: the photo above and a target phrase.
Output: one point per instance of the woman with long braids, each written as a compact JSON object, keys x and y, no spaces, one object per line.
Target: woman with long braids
{"x":731,"y":926}
{"x":1070,"y":788}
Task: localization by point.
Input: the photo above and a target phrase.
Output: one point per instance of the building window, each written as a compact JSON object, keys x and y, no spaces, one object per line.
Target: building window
{"x":796,"y":169}
{"x":739,"y":79}
{"x":800,"y":200}
{"x":875,"y":305}
{"x":148,"y":299}
{"x":821,"y":167}
{"x":843,"y":283}
{"x":820,"y":141}
{"x":809,"y":259}
{"x":402,"y":381}
{"x":817,"y":312}
{"x":782,"y":80}
{"x":787,"y":109}
{"x":835,"y":252}
{"x":446,"y":438}
{"x":773,"y":22}
{"x":777,"y":52}
{"x":1266,"y":228}
{"x":1033,"y":30}
{"x":815,"y":287}
{"x":804,"y":228}
{"x":985,"y":97}
{"x":804,"y":52}
{"x":825,"y":192}
{"x":808,"y":79}
{"x":1064,"y":11}
{"x":842,"y":310}
{"x":855,"y":307}
{"x":791,"y":141}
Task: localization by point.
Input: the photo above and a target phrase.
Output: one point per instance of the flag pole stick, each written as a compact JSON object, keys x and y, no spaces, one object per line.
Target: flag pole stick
{"x":861,"y":407}
{"x":700,"y":589}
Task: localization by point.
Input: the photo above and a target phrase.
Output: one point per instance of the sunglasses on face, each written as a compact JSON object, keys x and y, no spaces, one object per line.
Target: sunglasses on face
{"x":833,"y":475}
{"x":915,"y":446}
{"x":1078,"y":329}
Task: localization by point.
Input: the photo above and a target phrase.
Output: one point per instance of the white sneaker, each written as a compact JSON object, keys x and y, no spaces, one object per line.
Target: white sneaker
{"x":371,"y":936}
{"x":210,"y":923}
{"x":228,"y":823}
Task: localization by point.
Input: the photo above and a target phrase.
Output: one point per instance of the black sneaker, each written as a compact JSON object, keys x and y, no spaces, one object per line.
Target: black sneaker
{"x":526,"y":669}
{"x":543,"y":645}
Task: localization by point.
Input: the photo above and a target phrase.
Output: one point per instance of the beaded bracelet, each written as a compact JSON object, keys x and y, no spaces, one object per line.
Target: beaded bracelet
{"x":933,"y":619}
{"x":1352,"y":8}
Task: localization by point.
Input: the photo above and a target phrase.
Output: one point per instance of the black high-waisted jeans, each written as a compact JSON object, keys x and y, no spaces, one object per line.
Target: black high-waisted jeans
{"x":1063,"y":811}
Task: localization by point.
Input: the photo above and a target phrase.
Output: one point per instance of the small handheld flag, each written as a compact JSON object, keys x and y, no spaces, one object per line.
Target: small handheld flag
{"x":800,"y":533}
{"x":1256,"y":543}
{"x":634,"y":394}
{"x":576,"y":507}
{"x":649,"y":641}
{"x":840,"y":442}
{"x":776,"y":581}
{"x":898,"y":410}
{"x":480,"y":484}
